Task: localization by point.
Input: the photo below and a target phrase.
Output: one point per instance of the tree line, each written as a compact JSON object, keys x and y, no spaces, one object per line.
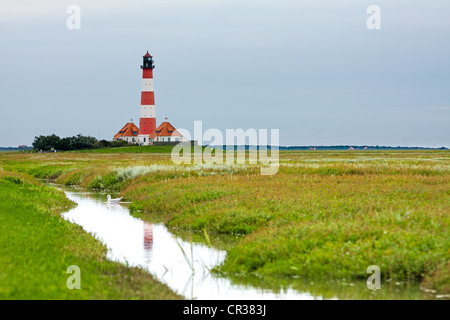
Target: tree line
{"x":78,"y":142}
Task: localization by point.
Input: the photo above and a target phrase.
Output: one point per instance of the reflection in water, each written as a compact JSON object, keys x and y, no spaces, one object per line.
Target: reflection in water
{"x":182,"y":265}
{"x":148,"y":241}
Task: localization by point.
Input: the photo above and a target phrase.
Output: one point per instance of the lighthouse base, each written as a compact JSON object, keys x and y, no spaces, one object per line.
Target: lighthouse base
{"x":144,"y":140}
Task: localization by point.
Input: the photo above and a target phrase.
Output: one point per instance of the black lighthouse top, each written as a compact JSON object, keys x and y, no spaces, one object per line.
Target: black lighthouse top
{"x":148,"y":62}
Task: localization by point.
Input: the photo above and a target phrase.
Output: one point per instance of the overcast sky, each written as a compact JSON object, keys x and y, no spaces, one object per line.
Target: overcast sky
{"x":311,"y":69}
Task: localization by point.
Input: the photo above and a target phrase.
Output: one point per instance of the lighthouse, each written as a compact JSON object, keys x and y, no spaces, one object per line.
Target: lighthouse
{"x":147,"y":133}
{"x":147,"y":123}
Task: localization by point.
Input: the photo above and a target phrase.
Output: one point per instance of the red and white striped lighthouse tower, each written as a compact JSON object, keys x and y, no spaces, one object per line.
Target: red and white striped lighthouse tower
{"x":147,"y":124}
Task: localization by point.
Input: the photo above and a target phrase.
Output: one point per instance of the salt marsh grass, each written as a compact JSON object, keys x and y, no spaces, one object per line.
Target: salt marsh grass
{"x":324,"y":214}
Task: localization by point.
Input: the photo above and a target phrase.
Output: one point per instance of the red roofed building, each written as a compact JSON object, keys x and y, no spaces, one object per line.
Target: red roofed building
{"x":166,"y":133}
{"x":128,"y":133}
{"x":163,"y":134}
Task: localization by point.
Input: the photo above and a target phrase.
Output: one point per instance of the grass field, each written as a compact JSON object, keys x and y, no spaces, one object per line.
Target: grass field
{"x":324,"y":215}
{"x":38,"y":246}
{"x":130,"y":149}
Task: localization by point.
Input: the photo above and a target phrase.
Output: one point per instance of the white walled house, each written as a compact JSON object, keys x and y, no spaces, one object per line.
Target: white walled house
{"x":167,"y":133}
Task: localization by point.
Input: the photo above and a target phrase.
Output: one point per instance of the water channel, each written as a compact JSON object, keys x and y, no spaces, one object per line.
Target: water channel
{"x":185,"y":266}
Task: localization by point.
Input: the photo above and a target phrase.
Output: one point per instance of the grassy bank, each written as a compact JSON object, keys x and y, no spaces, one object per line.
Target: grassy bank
{"x":314,"y":225}
{"x":130,"y":149}
{"x":325,"y":214}
{"x":38,"y":246}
